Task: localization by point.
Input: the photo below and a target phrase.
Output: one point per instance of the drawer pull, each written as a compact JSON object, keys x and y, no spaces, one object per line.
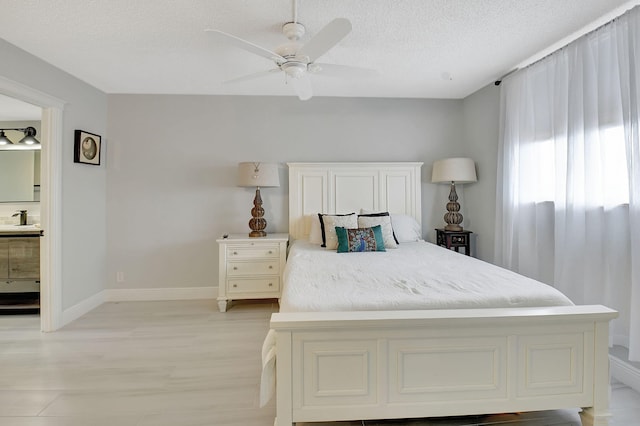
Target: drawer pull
{"x":235,"y":268}
{"x":270,"y":252}
{"x":270,"y":266}
{"x":235,"y":252}
{"x":235,"y":285}
{"x":270,"y":284}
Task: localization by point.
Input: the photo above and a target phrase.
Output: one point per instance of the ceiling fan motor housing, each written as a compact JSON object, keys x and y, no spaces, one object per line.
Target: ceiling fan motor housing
{"x":294,"y":66}
{"x":293,"y":30}
{"x":288,"y":50}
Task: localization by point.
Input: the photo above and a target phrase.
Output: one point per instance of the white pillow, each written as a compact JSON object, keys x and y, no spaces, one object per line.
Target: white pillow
{"x":315,"y":233}
{"x":329,"y":223}
{"x":406,"y":228}
{"x":385,"y":224}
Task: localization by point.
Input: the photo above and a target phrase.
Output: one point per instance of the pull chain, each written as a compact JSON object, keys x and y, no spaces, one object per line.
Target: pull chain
{"x":256,"y":170}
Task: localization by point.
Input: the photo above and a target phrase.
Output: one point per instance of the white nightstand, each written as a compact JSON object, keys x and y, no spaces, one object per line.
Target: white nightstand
{"x":250,"y":268}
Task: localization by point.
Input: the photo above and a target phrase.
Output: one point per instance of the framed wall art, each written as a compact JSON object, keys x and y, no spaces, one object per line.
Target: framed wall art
{"x":87,"y":148}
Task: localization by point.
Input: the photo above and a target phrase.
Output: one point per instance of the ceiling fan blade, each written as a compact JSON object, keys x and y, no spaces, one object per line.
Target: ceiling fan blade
{"x":334,"y":70}
{"x":328,"y":37}
{"x":302,"y":87}
{"x":246,"y":45}
{"x":251,"y":76}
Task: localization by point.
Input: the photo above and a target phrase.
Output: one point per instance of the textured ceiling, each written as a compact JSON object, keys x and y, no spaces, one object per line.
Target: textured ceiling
{"x":421,"y":48}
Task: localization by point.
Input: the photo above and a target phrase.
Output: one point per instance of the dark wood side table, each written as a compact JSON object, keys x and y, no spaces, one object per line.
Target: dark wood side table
{"x":453,"y":240}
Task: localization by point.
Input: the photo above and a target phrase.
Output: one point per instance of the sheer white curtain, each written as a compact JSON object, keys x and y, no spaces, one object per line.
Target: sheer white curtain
{"x":569,"y":173}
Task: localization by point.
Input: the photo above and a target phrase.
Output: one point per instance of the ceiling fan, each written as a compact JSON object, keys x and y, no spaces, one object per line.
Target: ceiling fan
{"x":298,"y":60}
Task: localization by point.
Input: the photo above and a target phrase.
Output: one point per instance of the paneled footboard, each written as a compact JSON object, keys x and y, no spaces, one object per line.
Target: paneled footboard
{"x":401,"y":364}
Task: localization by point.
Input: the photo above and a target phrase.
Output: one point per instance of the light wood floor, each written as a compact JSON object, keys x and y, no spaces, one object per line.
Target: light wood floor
{"x":178,"y":363}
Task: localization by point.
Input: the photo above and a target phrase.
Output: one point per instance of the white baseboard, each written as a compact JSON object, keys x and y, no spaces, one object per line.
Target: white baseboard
{"x":79,"y":309}
{"x":150,"y":294}
{"x":136,"y":294}
{"x":624,"y":372}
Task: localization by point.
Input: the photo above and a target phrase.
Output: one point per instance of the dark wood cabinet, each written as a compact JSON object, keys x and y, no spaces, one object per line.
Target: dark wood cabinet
{"x":453,"y":240}
{"x":19,"y":274}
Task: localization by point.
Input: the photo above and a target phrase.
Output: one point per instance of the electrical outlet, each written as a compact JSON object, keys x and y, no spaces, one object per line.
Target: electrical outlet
{"x":120,"y":276}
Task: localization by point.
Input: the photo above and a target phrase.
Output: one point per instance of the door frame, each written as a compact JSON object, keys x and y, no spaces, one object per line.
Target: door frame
{"x":51,"y":128}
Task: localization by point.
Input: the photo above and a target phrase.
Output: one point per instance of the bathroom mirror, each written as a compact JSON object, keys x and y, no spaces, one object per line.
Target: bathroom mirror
{"x":19,"y":170}
{"x":19,"y":176}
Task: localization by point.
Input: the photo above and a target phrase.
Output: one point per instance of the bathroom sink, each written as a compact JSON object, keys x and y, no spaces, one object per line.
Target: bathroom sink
{"x":19,"y":228}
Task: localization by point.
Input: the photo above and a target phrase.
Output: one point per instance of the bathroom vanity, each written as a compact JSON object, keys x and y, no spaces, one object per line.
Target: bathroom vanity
{"x":19,"y":269}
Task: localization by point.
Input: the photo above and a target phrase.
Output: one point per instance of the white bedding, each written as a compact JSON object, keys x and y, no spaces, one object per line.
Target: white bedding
{"x":417,"y":275}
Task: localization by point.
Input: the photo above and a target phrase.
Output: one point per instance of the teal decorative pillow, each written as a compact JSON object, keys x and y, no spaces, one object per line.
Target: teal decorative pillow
{"x":359,"y":239}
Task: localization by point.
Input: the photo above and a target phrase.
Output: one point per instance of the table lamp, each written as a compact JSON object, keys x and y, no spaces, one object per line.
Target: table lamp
{"x":253,"y":174}
{"x":453,"y":170}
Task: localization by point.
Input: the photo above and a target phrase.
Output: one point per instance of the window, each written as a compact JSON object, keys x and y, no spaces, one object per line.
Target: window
{"x":598,"y":172}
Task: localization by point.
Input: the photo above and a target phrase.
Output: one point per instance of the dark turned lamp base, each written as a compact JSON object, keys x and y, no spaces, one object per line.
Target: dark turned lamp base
{"x":453,"y":218}
{"x":257,"y":223}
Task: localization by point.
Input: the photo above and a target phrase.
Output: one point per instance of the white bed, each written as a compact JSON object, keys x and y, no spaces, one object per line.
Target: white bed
{"x":335,"y":364}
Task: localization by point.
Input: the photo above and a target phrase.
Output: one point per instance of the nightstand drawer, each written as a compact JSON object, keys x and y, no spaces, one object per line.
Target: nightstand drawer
{"x":460,"y":240}
{"x":257,"y":267}
{"x":263,"y":285}
{"x":254,"y":252}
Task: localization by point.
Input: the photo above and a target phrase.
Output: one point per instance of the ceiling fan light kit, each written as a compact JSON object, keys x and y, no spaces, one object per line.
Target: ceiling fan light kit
{"x":294,"y":69}
{"x":295,"y":59}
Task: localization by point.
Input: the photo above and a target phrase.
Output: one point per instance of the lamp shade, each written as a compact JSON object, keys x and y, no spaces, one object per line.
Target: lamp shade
{"x":258,"y":174}
{"x":459,"y":170}
{"x":29,"y":137}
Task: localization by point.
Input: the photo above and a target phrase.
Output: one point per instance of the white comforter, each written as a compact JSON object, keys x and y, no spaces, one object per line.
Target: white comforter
{"x":417,"y":275}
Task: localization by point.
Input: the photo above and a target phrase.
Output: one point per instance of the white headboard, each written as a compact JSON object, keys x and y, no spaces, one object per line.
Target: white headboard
{"x":348,"y":187}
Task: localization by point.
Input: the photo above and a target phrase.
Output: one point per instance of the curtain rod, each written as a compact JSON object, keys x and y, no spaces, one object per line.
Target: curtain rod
{"x":562,"y":43}
{"x":498,"y":81}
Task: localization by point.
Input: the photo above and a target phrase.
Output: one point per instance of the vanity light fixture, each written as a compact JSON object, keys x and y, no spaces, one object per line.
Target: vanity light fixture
{"x":28,"y":142}
{"x":258,"y":175}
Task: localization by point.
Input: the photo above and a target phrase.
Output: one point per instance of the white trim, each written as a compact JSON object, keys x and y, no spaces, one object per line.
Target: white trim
{"x":27,"y":94}
{"x":625,"y":372}
{"x":150,"y":294}
{"x":134,"y":295}
{"x":50,"y":214}
{"x":81,"y":308}
{"x":51,"y":316}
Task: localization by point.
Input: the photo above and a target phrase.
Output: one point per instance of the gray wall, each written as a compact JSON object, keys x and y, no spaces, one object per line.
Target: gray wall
{"x":166,"y":189}
{"x":83,"y":187}
{"x":481,"y":113}
{"x":172,"y":169}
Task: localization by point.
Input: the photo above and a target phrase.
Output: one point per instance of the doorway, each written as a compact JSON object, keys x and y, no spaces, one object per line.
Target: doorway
{"x":50,"y":197}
